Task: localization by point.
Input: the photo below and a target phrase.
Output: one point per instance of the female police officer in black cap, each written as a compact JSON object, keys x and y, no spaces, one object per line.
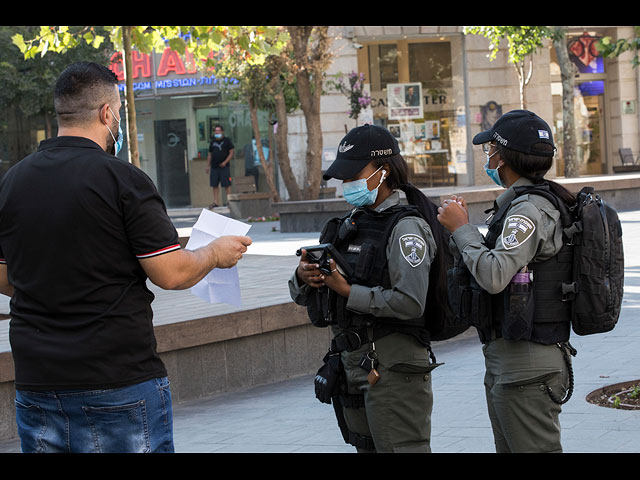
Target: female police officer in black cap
{"x":377,"y":372}
{"x":525,"y":326}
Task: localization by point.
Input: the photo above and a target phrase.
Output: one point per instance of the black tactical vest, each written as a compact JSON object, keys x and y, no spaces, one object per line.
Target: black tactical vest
{"x":365,"y":251}
{"x":547,"y":309}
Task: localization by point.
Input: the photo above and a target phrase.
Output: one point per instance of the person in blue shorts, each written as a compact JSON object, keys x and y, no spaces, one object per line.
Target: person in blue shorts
{"x":221,"y":151}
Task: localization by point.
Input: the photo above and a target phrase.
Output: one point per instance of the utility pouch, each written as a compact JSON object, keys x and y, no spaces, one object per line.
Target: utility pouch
{"x":470,"y":303}
{"x":318,"y":307}
{"x":459,"y":292}
{"x":517,"y":323}
{"x":365,"y":263}
{"x":480,"y":308}
{"x":329,"y":377}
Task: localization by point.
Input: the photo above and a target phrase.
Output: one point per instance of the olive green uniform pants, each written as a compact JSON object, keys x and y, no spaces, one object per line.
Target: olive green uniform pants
{"x":523,"y":416}
{"x":397,"y":409}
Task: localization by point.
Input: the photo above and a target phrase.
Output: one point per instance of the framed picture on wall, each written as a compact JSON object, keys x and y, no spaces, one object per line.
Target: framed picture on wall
{"x":404,"y":101}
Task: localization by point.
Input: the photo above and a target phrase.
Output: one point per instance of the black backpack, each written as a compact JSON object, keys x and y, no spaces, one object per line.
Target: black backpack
{"x":593,"y":228}
{"x":598,"y":265}
{"x":441,"y":318}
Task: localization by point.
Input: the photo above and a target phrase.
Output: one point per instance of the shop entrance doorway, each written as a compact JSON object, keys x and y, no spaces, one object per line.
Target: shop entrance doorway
{"x":172,"y":162}
{"x":589,"y":122}
{"x":589,"y":118}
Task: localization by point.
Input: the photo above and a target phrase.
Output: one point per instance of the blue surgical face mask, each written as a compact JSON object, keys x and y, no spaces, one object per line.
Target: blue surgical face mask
{"x":357,"y":193}
{"x":493,"y":172}
{"x":218,"y":136}
{"x":117,"y":142}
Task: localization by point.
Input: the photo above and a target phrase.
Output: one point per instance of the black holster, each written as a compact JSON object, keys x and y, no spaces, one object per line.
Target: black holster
{"x":331,"y":386}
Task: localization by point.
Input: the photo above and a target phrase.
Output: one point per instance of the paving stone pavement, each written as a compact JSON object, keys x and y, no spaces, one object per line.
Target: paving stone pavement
{"x":285,"y":417}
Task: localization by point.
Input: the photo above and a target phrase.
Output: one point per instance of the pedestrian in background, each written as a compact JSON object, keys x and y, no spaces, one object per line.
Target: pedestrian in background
{"x":383,"y":400}
{"x":80,"y":233}
{"x":525,"y":327}
{"x":221,"y":152}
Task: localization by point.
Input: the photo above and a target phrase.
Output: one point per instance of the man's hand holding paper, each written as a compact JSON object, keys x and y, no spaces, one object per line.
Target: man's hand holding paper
{"x":229,"y":250}
{"x":222,"y":284}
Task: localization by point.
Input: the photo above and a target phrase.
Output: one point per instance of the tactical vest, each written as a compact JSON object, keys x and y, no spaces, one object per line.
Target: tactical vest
{"x":365,"y":251}
{"x":546,"y":308}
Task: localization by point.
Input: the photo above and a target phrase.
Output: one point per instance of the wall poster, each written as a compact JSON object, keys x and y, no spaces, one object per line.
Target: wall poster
{"x":404,"y":101}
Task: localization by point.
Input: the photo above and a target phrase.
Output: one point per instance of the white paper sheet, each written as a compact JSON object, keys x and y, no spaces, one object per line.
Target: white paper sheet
{"x":221,"y":285}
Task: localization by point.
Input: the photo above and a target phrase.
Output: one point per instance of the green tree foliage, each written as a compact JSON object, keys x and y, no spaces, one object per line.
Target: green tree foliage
{"x":614,"y":48}
{"x":28,"y":85}
{"x":523,"y":42}
{"x":202,"y":45}
{"x":26,"y":96}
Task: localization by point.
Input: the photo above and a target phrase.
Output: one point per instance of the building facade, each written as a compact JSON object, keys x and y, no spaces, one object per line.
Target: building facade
{"x":177,"y":109}
{"x":435,"y":88}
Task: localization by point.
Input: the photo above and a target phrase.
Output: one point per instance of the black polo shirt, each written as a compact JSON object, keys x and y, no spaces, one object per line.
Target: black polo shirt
{"x":74,"y":220}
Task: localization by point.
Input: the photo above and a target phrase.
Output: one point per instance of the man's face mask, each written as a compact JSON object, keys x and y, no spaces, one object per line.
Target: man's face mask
{"x":117,"y":143}
{"x":357,"y":193}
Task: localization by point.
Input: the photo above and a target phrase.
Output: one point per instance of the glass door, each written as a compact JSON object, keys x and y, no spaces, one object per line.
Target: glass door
{"x":173,"y":165}
{"x":590,"y":127}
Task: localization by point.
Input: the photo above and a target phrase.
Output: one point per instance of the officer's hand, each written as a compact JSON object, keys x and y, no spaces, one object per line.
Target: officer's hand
{"x":460,"y":200}
{"x":453,"y":214}
{"x":308,"y":272}
{"x":336,"y":281}
{"x":229,"y":249}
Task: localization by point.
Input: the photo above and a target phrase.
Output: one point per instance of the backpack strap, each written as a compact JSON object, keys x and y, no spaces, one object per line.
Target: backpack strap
{"x":571,"y":225}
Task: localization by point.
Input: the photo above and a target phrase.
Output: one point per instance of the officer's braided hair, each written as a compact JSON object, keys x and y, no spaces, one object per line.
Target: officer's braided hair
{"x":399,"y":179}
{"x":535,"y":167}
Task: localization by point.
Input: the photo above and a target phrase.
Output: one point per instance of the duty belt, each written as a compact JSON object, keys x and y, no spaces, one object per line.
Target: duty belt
{"x":353,"y":339}
{"x":350,"y":340}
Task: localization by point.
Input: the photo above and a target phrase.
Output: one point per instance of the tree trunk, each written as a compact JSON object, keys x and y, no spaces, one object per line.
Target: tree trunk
{"x":567,"y":73}
{"x":268,"y":167}
{"x":130,"y":104}
{"x":523,"y":79}
{"x":284,"y":162}
{"x":310,"y":64}
{"x":520,"y":71}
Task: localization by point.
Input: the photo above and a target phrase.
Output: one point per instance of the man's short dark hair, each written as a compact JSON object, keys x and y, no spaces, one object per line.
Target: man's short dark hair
{"x":82,"y":88}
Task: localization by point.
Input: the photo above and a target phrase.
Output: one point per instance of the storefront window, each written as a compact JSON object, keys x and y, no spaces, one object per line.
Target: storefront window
{"x":588,"y":106}
{"x":177,"y":109}
{"x":383,"y":65}
{"x":417,"y":89}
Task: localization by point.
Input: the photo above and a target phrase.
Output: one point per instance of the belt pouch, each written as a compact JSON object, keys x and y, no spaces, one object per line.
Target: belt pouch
{"x":519,"y":307}
{"x":459,"y":292}
{"x":480,"y":308}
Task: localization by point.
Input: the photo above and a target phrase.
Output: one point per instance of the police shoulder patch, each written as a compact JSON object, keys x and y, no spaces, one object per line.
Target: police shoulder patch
{"x":413,"y":249}
{"x":517,"y":229}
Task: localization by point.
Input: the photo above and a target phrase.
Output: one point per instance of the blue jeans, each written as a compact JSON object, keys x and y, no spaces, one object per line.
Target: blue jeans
{"x":136,"y":418}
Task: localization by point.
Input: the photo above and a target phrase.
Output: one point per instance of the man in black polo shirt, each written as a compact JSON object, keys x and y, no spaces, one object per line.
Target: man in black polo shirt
{"x":221,"y":151}
{"x":80,"y":233}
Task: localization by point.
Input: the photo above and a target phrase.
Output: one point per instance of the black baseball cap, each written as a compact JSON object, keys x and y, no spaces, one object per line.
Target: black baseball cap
{"x":519,"y":130}
{"x":358,"y":148}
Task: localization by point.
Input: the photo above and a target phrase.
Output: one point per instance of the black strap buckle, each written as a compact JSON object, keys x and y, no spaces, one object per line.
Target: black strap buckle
{"x":569,"y":291}
{"x":349,"y":341}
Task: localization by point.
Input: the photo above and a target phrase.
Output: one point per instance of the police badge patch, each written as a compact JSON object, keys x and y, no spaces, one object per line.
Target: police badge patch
{"x":413,"y":249}
{"x":517,"y":230}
